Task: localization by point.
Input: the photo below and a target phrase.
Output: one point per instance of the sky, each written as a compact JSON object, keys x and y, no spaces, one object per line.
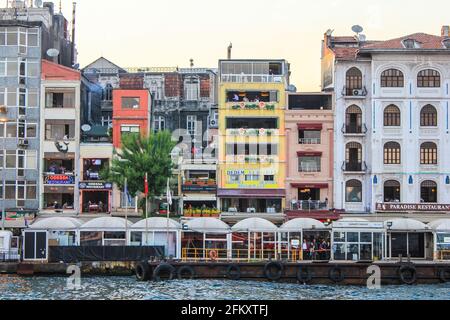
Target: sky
{"x":167,"y":33}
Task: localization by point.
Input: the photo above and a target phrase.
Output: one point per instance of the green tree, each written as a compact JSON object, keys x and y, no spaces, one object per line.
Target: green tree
{"x":140,"y":155}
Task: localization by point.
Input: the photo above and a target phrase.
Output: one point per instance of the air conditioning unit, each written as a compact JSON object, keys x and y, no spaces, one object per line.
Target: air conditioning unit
{"x":23,"y":143}
{"x":213,"y":123}
{"x":358,"y":92}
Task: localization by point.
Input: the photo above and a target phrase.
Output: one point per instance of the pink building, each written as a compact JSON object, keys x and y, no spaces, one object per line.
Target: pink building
{"x":310,"y":136}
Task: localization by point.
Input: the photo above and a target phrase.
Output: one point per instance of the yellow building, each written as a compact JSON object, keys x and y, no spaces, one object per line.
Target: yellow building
{"x":252,"y":150}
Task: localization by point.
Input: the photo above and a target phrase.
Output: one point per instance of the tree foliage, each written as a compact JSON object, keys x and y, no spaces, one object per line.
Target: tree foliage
{"x":140,"y":155}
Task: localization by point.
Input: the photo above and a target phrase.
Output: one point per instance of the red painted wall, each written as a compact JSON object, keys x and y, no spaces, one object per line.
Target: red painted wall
{"x":139,"y":116}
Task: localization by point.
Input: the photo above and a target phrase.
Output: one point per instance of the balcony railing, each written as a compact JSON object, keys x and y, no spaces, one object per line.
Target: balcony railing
{"x":310,"y":141}
{"x":252,"y":106}
{"x":308,"y":205}
{"x":243,"y":78}
{"x":354,"y":129}
{"x":252,"y":159}
{"x":351,"y":92}
{"x":253,"y":132}
{"x":354,"y":167}
{"x":309,"y":168}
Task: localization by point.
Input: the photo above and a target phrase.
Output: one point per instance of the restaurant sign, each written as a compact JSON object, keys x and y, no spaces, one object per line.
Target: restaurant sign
{"x":421,"y":207}
{"x":96,"y":186}
{"x":61,"y":179}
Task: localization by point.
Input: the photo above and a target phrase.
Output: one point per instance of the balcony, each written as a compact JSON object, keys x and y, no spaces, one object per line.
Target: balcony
{"x":354,"y":93}
{"x":264,"y":159}
{"x":253,"y":132}
{"x":354,"y":167}
{"x":309,"y":168}
{"x":309,"y":205}
{"x":351,"y":129}
{"x":199,"y":185}
{"x":310,"y":141}
{"x":251,"y":106}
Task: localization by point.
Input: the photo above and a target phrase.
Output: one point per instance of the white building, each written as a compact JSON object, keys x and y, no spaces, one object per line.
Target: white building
{"x":392,"y":137}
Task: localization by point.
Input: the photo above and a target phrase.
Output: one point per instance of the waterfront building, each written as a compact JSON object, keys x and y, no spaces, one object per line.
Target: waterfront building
{"x":26,"y":35}
{"x":252,"y":154}
{"x":309,"y":122}
{"x":60,"y":139}
{"x":392,"y":122}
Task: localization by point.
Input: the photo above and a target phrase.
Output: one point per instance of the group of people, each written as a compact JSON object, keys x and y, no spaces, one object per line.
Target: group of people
{"x":236,"y":98}
{"x":57,"y":169}
{"x":316,"y":249}
{"x":95,"y":207}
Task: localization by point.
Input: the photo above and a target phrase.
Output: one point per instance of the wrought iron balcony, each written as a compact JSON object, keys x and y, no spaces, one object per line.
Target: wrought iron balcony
{"x":351,"y":92}
{"x":354,"y":166}
{"x":354,"y":129}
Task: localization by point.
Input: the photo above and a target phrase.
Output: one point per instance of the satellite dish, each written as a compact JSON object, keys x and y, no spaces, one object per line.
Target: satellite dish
{"x":53,"y":52}
{"x":38,"y":3}
{"x":292,"y":88}
{"x":86,"y":128}
{"x":357,"y":29}
{"x":362,"y":38}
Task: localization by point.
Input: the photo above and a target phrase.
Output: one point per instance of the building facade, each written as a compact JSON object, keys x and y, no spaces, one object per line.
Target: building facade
{"x":252,"y":154}
{"x":310,"y":157}
{"x":26,"y":34}
{"x":392,"y":105}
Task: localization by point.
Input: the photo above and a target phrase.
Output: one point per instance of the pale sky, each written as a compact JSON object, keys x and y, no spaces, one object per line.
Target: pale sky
{"x":135,"y":33}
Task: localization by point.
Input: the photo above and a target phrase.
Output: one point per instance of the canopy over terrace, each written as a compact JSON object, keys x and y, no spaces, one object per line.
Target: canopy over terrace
{"x":254,"y":239}
{"x":105,"y":231}
{"x":157,"y":231}
{"x":62,"y":231}
{"x":441,"y":235}
{"x":409,"y":238}
{"x":206,"y":238}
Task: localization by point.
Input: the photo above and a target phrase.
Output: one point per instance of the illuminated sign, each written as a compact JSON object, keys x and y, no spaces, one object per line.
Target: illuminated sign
{"x":96,"y":186}
{"x":403,"y":207}
{"x":59,"y":179}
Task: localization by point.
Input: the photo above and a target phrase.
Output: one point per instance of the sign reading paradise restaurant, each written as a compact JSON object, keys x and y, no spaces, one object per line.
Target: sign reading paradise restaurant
{"x":421,"y":207}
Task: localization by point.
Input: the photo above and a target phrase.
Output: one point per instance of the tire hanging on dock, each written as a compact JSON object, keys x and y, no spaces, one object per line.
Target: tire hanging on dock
{"x":268,"y":271}
{"x":234,"y":272}
{"x":164,"y":268}
{"x":142,"y":271}
{"x":337,"y":275}
{"x":304,"y":275}
{"x":408,"y":275}
{"x":186,"y":270}
{"x":444,"y":275}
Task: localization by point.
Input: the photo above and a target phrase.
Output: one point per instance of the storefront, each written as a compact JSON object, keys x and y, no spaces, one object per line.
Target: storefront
{"x":105,"y":231}
{"x":61,"y":231}
{"x":409,"y":238}
{"x":304,"y":239}
{"x":96,"y":197}
{"x":58,"y":197}
{"x":358,"y":240}
{"x":254,"y":239}
{"x":252,"y":201}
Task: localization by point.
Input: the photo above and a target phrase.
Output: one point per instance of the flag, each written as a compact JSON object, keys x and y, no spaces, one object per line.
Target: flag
{"x":146,"y":185}
{"x":169,"y":193}
{"x":127,"y":194}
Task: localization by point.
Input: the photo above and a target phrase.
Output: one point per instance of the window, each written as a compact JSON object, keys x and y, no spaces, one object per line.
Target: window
{"x":353,"y":81}
{"x":191,"y":89}
{"x":428,"y":116}
{"x":428,"y":192}
{"x":129,"y":129}
{"x":252,"y":177}
{"x":392,"y":116}
{"x":2,"y":160}
{"x":392,"y":191}
{"x":107,"y":92}
{"x":192,"y":125}
{"x":429,"y":79}
{"x":130,"y":103}
{"x":411,"y":44}
{"x":10,"y":190}
{"x":310,"y":136}
{"x":159,"y":124}
{"x":392,"y":153}
{"x":353,"y":120}
{"x":11,"y":130}
{"x":59,"y":130}
{"x":310,"y":164}
{"x":31,"y":131}
{"x":429,"y":154}
{"x":392,"y":78}
{"x":31,"y":159}
{"x":353,"y":191}
{"x":269,"y":178}
{"x":353,"y":157}
{"x":60,"y":99}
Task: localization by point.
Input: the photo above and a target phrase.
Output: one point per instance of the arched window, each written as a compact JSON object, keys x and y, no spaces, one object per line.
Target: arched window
{"x":429,"y":79}
{"x":353,"y":119}
{"x":159,"y":124}
{"x":428,"y":116}
{"x":392,"y":153}
{"x":428,"y":192}
{"x":392,"y":116}
{"x":107,"y":92}
{"x":353,"y":81}
{"x":353,"y":157}
{"x":392,"y":191}
{"x":392,"y":78}
{"x":428,"y":153}
{"x":353,"y":191}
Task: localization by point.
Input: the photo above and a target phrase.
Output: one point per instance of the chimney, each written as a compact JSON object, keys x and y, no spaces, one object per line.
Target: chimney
{"x":445,"y":31}
{"x":229,"y":51}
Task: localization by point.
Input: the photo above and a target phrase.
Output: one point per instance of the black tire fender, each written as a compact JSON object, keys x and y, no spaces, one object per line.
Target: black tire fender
{"x":337,"y":275}
{"x":403,"y":272}
{"x":304,"y":275}
{"x":186,"y":270}
{"x":234,"y":272}
{"x":142,"y":271}
{"x":163,"y":267}
{"x":268,"y":271}
{"x":444,"y":275}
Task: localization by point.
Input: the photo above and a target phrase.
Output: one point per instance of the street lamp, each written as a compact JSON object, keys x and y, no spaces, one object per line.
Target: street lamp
{"x":3,"y":120}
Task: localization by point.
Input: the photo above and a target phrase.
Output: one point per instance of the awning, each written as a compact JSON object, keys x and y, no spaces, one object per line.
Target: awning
{"x":310,"y":185}
{"x":204,"y":197}
{"x":310,"y":126}
{"x":309,"y":154}
{"x":251,"y":193}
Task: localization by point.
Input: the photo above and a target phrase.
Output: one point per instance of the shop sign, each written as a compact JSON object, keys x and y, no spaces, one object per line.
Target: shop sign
{"x":447,"y":240}
{"x":59,"y":179}
{"x":197,"y":188}
{"x":18,"y":215}
{"x":96,"y":186}
{"x":421,"y":207}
